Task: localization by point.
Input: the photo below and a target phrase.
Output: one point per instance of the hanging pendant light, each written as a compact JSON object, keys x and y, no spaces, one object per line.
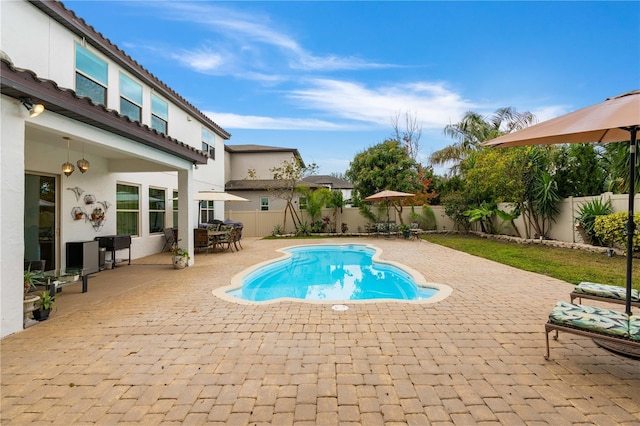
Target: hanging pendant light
{"x":67,"y":168}
{"x":83,"y":165}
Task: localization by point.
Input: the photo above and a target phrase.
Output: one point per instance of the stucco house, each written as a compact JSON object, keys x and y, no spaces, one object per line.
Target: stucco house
{"x":334,"y":184}
{"x":140,"y":150}
{"x":258,"y":186}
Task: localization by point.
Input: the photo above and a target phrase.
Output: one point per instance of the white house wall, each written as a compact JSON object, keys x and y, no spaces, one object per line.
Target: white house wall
{"x":261,"y":162}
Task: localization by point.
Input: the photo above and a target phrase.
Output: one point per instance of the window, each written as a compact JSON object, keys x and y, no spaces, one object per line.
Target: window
{"x":264,"y":203}
{"x":130,"y":98}
{"x":91,"y":76}
{"x":127,"y":209}
{"x":159,"y":114}
{"x":157,"y":207}
{"x":209,"y":143}
{"x":303,"y":203}
{"x":175,"y":209}
{"x":206,"y":211}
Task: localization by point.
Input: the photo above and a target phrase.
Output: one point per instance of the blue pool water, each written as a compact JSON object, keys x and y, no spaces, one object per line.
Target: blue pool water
{"x":330,"y":272}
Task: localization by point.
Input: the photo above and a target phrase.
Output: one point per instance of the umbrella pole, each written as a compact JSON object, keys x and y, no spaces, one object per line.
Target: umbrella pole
{"x":631,"y":225}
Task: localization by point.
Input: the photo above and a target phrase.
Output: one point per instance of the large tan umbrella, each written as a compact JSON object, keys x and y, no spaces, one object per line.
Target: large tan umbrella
{"x":216,"y":196}
{"x":616,"y":119}
{"x":387,"y":196}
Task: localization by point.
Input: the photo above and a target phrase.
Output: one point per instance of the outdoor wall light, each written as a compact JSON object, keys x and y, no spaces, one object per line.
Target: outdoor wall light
{"x":67,"y":168}
{"x":34,"y":109}
{"x":83,"y":165}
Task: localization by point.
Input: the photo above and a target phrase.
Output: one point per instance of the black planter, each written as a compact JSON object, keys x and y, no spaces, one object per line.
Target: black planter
{"x":41,"y":314}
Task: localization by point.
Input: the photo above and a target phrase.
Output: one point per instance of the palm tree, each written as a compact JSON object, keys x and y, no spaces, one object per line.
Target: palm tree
{"x":474,"y":129}
{"x":336,"y":201}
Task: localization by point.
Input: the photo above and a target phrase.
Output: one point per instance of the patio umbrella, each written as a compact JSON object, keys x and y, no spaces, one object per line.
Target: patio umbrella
{"x":216,"y":196}
{"x":616,"y":119}
{"x":387,"y":196}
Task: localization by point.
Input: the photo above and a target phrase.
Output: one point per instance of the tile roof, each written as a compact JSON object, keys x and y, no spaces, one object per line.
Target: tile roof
{"x":20,"y":83}
{"x":336,"y":183}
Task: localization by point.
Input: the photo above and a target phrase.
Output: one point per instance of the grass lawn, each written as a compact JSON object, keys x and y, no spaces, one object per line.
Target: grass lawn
{"x":568,"y":265}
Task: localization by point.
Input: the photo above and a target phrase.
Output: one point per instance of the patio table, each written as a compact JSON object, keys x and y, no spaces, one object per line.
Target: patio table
{"x":215,"y":236}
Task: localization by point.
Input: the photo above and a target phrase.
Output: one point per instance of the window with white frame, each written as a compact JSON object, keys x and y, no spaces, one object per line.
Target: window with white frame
{"x":159,"y":114}
{"x":206,"y":211}
{"x":264,"y":203}
{"x":130,"y":98}
{"x":175,"y":209}
{"x":209,"y":143}
{"x":157,"y":210}
{"x":91,"y":76}
{"x":127,"y":209}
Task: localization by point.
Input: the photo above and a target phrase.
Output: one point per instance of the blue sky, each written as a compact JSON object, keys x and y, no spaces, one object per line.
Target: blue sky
{"x":328,"y":78}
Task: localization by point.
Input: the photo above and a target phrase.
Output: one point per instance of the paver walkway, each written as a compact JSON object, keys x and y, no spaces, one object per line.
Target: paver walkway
{"x":152,"y":345}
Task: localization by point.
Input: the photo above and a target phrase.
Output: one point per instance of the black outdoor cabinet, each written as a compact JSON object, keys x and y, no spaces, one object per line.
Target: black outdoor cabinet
{"x":83,"y":256}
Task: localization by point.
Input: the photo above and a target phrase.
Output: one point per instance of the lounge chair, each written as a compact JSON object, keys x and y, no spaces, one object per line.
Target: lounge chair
{"x":597,"y":323}
{"x":604,"y":293}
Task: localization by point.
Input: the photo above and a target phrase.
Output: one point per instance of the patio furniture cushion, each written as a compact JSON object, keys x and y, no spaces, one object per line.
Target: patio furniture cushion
{"x":634,"y":328}
{"x":590,"y":318}
{"x":605,"y":290}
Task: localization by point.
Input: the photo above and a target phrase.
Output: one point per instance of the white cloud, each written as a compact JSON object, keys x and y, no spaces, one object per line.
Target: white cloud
{"x":201,"y":60}
{"x":432,"y":103}
{"x":238,"y":121}
{"x":545,"y":113}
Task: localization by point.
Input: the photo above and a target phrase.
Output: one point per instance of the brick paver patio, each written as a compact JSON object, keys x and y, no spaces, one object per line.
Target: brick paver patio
{"x":149,"y":344}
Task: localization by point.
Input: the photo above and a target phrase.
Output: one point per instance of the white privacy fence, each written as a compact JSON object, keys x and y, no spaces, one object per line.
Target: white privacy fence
{"x":262,"y":223}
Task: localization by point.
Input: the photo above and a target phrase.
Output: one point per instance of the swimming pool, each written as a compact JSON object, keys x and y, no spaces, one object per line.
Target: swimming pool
{"x":330,"y":272}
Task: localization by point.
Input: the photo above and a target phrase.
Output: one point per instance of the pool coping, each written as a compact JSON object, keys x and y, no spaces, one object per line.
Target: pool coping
{"x":443,"y":292}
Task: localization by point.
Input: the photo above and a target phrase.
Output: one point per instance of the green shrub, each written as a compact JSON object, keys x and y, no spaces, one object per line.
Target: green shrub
{"x":612,"y":229}
{"x":587,"y":214}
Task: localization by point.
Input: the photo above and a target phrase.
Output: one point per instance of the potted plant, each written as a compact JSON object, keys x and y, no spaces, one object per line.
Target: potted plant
{"x":44,"y":306}
{"x":180,"y":257}
{"x":405,"y":230}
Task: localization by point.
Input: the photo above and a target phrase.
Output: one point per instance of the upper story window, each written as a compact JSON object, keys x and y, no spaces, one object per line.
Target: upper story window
{"x":130,"y":98}
{"x":264,"y":203}
{"x":209,"y":143}
{"x":159,"y":114}
{"x":91,"y":76}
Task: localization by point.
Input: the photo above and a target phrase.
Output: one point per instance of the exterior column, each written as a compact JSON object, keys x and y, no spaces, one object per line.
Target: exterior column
{"x":12,"y":134}
{"x":187,"y":211}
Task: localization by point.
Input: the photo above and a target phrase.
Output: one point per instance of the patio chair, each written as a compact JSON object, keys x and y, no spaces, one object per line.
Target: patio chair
{"x":201,"y":239}
{"x":169,"y":239}
{"x":237,"y":237}
{"x":604,"y":293}
{"x":226,"y":240}
{"x":597,"y":323}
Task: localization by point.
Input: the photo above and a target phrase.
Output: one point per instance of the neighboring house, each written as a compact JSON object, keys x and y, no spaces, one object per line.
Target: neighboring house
{"x":145,"y":145}
{"x":258,"y":186}
{"x":333,"y":183}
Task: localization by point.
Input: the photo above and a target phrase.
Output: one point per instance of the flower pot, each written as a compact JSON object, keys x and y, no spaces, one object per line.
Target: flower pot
{"x":28,"y":308}
{"x":41,"y":314}
{"x":179,"y":262}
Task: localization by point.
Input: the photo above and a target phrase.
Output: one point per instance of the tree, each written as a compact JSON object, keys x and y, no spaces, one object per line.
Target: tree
{"x":316,"y":199}
{"x":410,"y":135}
{"x":285,"y":182}
{"x":386,"y":165}
{"x":336,"y":201}
{"x":474,"y":129}
{"x":579,"y":170}
{"x":616,"y":162}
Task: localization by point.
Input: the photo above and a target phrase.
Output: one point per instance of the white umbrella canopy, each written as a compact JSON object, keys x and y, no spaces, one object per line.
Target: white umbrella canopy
{"x":216,"y":196}
{"x":617,"y":119}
